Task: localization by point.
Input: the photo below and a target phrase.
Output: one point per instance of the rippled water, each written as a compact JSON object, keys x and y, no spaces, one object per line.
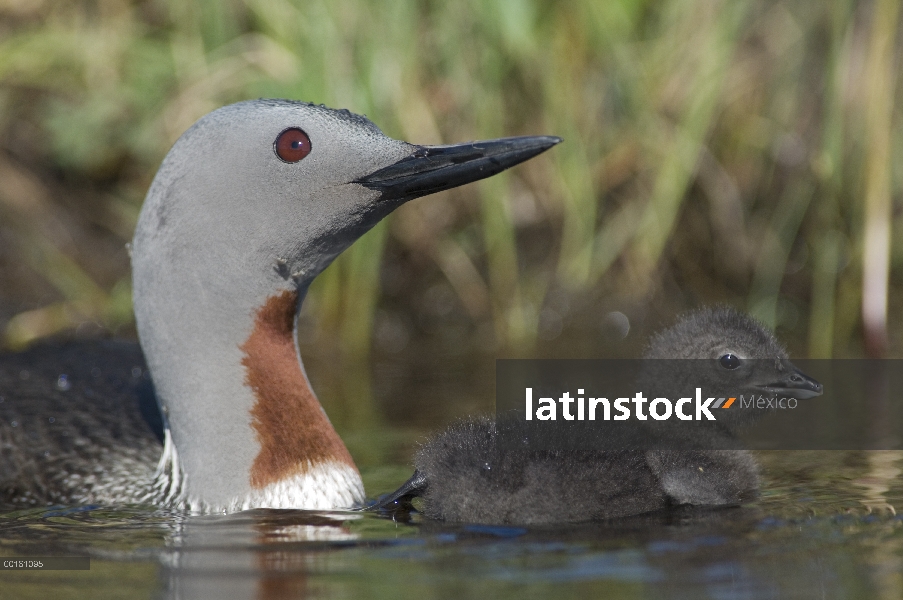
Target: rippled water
{"x":825,"y":527}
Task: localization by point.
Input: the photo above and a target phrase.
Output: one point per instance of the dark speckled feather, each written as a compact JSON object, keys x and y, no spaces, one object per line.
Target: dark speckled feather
{"x":471,"y":479}
{"x":78,"y":424}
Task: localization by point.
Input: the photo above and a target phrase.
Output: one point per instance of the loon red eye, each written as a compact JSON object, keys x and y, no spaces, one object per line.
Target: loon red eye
{"x":729,"y":361}
{"x":292,"y":145}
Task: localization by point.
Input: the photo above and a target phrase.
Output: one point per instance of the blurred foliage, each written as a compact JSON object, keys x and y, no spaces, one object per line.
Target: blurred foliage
{"x":715,"y":151}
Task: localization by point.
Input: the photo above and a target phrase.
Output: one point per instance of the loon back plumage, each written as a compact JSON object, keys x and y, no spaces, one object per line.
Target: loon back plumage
{"x":464,"y":475}
{"x":78,"y":424}
{"x":248,"y":207}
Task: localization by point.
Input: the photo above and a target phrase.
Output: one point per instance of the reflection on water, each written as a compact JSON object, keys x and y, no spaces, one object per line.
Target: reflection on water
{"x":824,"y":528}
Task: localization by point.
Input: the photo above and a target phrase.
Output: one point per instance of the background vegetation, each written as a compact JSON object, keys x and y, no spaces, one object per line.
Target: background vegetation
{"x":716,"y":151}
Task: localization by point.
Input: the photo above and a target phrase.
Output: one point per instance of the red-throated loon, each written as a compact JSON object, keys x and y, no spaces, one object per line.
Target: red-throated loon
{"x":250,"y":204}
{"x":464,"y":476}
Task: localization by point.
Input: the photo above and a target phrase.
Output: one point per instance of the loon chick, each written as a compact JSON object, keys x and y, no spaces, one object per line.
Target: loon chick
{"x":463,"y":475}
{"x":248,"y":207}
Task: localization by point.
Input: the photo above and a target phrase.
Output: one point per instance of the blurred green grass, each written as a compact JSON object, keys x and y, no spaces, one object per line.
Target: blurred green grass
{"x":740,"y":152}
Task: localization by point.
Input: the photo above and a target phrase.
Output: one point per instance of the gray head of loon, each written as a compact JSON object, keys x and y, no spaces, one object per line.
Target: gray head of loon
{"x":250,"y":204}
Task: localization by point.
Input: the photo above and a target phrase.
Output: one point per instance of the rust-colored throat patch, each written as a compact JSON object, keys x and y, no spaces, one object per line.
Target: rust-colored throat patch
{"x":292,"y":429}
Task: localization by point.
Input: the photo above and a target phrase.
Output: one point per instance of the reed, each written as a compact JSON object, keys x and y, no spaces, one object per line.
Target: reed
{"x":744,"y":149}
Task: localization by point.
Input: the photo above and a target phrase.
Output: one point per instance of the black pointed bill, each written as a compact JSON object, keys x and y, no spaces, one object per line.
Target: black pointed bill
{"x":796,"y":385}
{"x":431,"y":169}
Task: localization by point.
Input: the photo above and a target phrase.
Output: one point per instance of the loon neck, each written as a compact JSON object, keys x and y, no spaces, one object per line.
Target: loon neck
{"x":293,"y":431}
{"x":247,"y":430}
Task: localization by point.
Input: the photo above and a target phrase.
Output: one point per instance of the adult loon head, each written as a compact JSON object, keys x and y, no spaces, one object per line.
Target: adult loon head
{"x":251,"y":204}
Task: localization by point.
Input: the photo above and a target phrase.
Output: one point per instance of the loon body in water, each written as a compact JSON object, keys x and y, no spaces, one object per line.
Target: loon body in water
{"x":463,"y":475}
{"x":79,"y":424}
{"x":248,"y":207}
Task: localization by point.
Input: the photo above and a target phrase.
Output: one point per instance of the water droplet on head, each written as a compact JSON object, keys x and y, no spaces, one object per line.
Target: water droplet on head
{"x":136,"y":372}
{"x":95,"y":372}
{"x":487,"y":467}
{"x":15,"y":423}
{"x":62,"y":383}
{"x":52,"y":420}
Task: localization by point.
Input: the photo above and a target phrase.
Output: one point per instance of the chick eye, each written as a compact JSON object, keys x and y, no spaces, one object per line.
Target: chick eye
{"x":292,"y":145}
{"x":729,"y":361}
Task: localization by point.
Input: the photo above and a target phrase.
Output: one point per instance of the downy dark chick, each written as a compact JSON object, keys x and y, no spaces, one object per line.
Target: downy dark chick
{"x":463,"y":475}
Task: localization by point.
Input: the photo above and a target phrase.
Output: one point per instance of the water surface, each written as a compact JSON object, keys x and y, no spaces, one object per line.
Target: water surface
{"x":824,"y":528}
